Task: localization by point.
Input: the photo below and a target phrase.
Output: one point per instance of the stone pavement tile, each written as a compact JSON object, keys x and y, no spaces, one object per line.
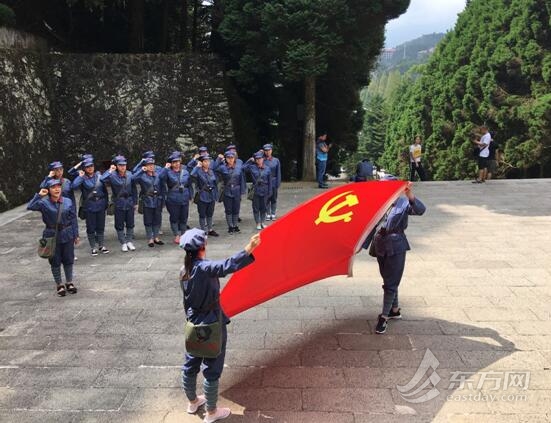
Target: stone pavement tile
{"x":348,"y":400}
{"x":123,"y":417}
{"x":54,"y":377}
{"x":282,"y":301}
{"x":255,"y":341}
{"x":460,"y":343}
{"x":80,"y":399}
{"x":15,"y":357}
{"x":481,"y":264}
{"x":357,"y":342}
{"x":303,"y":377}
{"x":430,"y":313}
{"x":173,"y":304}
{"x":496,"y":314}
{"x":161,"y":341}
{"x":266,"y":399}
{"x":350,"y":301}
{"x":540,"y":379}
{"x":475,"y":418}
{"x":299,"y":417}
{"x":238,"y":377}
{"x":98,"y":359}
{"x":530,"y":342}
{"x":301,"y":313}
{"x":275,"y":358}
{"x":255,"y":313}
{"x":42,"y":416}
{"x":154,"y":399}
{"x":475,"y":290}
{"x":263,"y":326}
{"x":157,"y":357}
{"x":334,"y":327}
{"x":34,"y":342}
{"x":6,"y":376}
{"x":98,"y":341}
{"x":19,"y":398}
{"x":451,"y":301}
{"x":547,"y":356}
{"x":417,"y":327}
{"x":343,"y":290}
{"x":396,"y":359}
{"x":139,"y":377}
{"x":520,"y":402}
{"x":476,"y":328}
{"x":543,"y":312}
{"x":340,"y":358}
{"x":312,"y":341}
{"x":15,"y":327}
{"x":406,"y":301}
{"x":140,"y":327}
{"x":68,"y":327}
{"x":446,"y":402}
{"x":504,"y":360}
{"x":354,"y":312}
{"x":391,"y":418}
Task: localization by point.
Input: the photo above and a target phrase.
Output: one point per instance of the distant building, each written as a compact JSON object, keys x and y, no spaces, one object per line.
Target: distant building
{"x":425,"y":53}
{"x":387,"y":53}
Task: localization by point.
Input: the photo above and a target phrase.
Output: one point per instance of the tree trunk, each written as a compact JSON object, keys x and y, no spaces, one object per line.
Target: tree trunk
{"x":136,"y":36}
{"x":184,"y":36}
{"x":194,"y":26}
{"x":309,"y":141}
{"x":164,"y":26}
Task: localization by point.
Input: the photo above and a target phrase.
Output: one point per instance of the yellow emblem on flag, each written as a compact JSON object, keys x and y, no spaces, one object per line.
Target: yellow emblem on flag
{"x":328,"y":211}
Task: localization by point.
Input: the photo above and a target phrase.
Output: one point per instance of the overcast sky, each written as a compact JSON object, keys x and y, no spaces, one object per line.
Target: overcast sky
{"x":423,"y":17}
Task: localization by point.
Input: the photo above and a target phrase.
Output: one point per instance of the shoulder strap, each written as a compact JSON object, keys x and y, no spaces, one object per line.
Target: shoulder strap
{"x":58,"y":219}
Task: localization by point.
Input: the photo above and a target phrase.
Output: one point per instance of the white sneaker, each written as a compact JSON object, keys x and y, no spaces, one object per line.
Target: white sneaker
{"x":193,"y":407}
{"x":131,"y":246}
{"x":221,"y":413}
{"x":273,"y":217}
{"x":268,"y":217}
{"x":258,"y":226}
{"x":124,"y":248}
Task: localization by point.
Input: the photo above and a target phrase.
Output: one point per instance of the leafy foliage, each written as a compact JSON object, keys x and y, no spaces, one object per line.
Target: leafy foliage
{"x":493,"y":69}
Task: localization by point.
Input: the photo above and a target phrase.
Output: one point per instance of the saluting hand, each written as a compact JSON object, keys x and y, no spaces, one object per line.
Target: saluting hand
{"x":409,"y":191}
{"x":112,"y":168}
{"x":253,"y":243}
{"x":43,"y":192}
{"x":168,"y":165}
{"x":144,"y":168}
{"x":51,"y":174}
{"x":81,"y":173}
{"x":196,"y":156}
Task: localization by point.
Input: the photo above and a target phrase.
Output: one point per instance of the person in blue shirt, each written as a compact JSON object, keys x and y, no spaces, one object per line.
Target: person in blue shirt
{"x":202,"y":152}
{"x":275,"y":170}
{"x":73,"y":172}
{"x":125,"y":197}
{"x":94,"y":202}
{"x":146,"y":155}
{"x":233,"y":149}
{"x":262,"y":186}
{"x":56,"y":172}
{"x":48,"y":201}
{"x":176,"y":181}
{"x":390,"y":246}
{"x":201,"y":292}
{"x":322,"y":149}
{"x":207,"y":191}
{"x":364,"y":171}
{"x":232,"y":176}
{"x":152,"y":194}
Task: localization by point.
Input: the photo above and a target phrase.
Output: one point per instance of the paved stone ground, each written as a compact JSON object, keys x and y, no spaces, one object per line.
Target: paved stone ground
{"x":476,"y":293}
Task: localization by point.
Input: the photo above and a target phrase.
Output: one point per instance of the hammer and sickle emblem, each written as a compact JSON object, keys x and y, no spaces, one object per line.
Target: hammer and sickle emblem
{"x":329,"y":209}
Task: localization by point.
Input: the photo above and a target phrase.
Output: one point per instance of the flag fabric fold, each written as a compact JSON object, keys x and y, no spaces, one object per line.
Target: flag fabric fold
{"x":316,"y":240}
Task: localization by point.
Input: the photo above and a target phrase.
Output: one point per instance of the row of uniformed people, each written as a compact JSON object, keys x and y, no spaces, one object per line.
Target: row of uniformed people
{"x":171,"y":185}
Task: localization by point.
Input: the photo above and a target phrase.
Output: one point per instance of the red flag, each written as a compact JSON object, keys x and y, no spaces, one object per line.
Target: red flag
{"x":314,"y":241}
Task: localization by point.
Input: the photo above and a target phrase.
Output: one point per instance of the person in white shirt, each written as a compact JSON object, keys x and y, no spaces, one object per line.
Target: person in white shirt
{"x":483,"y":144}
{"x":415,"y":165}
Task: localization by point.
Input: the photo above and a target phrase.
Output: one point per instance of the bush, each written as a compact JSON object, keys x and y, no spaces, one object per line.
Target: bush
{"x":7,"y":16}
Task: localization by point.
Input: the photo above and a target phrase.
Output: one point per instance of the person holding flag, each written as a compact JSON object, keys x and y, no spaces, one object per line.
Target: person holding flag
{"x":390,"y":246}
{"x":201,"y":291}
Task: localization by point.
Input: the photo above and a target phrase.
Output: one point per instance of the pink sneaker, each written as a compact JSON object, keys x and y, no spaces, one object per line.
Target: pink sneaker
{"x":193,"y":407}
{"x":221,"y":413}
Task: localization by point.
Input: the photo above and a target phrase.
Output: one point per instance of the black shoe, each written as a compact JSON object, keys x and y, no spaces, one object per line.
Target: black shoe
{"x":158,"y":242}
{"x":239,"y":219}
{"x":236,"y":229}
{"x":381,"y":325}
{"x":212,"y":232}
{"x":394,"y":314}
{"x":230,"y":230}
{"x":71,"y":288}
{"x":151,"y":244}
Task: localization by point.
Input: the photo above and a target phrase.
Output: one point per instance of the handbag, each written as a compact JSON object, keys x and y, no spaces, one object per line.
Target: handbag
{"x":250,"y":193}
{"x":196,"y":197}
{"x":81,"y":213}
{"x":140,"y":204}
{"x":46,"y":246}
{"x":204,"y":339}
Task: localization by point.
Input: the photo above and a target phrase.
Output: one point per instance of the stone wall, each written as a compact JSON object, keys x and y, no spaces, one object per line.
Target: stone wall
{"x":58,"y":106}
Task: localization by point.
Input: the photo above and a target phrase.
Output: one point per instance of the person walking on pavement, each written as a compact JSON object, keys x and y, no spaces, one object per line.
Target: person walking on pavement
{"x":201,"y":291}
